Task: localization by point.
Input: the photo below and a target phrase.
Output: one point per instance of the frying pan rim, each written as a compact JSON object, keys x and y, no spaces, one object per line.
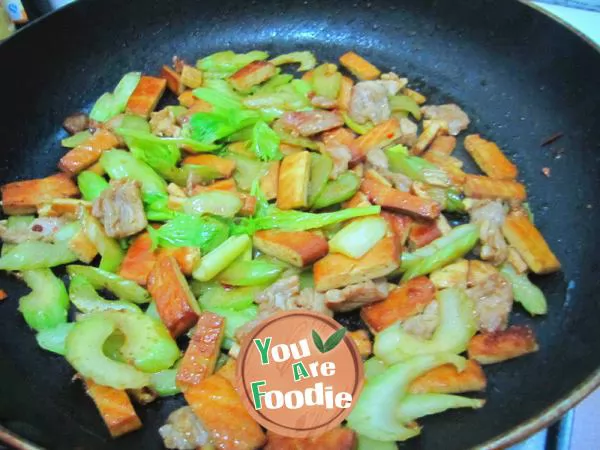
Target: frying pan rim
{"x":542,"y":420}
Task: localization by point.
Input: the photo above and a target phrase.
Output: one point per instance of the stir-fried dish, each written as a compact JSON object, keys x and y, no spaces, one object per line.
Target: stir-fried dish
{"x":261,"y":191}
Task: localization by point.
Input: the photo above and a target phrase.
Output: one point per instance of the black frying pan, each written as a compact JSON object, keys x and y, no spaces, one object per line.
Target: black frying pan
{"x":520,"y":76}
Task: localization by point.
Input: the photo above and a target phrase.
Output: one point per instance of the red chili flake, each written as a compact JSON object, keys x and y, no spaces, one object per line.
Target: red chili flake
{"x":549,"y":140}
{"x":37,"y":228}
{"x":546,"y":171}
{"x":3,"y":294}
{"x":390,"y":135}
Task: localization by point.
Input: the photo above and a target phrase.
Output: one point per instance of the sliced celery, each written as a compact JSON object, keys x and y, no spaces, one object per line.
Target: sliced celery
{"x":221,"y":257}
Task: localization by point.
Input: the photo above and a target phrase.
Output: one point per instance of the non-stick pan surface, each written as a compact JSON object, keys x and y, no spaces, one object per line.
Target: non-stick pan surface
{"x":520,"y":76}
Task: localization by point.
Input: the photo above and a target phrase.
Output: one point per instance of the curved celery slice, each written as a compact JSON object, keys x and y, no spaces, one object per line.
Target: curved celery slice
{"x":84,"y":351}
{"x":111,"y":104}
{"x":164,"y":382}
{"x":76,"y":139}
{"x":355,"y":126}
{"x":326,"y":81}
{"x":414,"y":406}
{"x":405,"y":103}
{"x":359,"y":236}
{"x":457,"y":326}
{"x":221,"y":257}
{"x":54,"y":339}
{"x":101,"y":279}
{"x":374,"y":414}
{"x":338,"y":190}
{"x":250,"y":273}
{"x":525,"y":292}
{"x":306,"y":60}
{"x":219,"y":203}
{"x":444,"y":256}
{"x":91,"y":185}
{"x":148,"y":344}
{"x":47,"y":304}
{"x":121,"y":164}
{"x":31,"y":255}
{"x":213,"y":295}
{"x":109,"y":248}
{"x":85,"y":298}
{"x":409,"y":260}
{"x":416,"y":168}
{"x":320,"y":168}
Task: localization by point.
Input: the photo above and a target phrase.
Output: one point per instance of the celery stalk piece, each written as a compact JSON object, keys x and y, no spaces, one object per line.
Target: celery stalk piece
{"x":30,"y":255}
{"x":414,"y":406}
{"x":306,"y":60}
{"x":326,"y":81}
{"x":365,"y":443}
{"x":291,"y":220}
{"x":338,"y":190}
{"x":405,"y":103}
{"x":84,"y":351}
{"x":454,"y":250}
{"x":416,"y":168}
{"x":121,"y":164}
{"x":227,"y":62}
{"x":355,"y":126}
{"x":525,"y":292}
{"x":186,"y":230}
{"x":85,"y":298}
{"x":265,"y":142}
{"x":221,"y":257}
{"x":54,"y":339}
{"x":374,"y":414}
{"x":109,"y":248}
{"x":163,"y":382}
{"x":321,"y":166}
{"x":76,"y":139}
{"x":359,"y":236}
{"x":91,"y":185}
{"x":212,"y":295}
{"x":219,"y":203}
{"x":123,"y":288}
{"x":135,"y":123}
{"x":250,"y":273}
{"x":409,"y":260}
{"x":111,"y":104}
{"x":47,"y":304}
{"x":152,"y":312}
{"x":247,"y":170}
{"x":373,"y":367}
{"x":457,"y":326}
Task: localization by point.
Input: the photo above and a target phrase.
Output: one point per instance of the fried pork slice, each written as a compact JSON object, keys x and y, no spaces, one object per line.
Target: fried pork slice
{"x":120,"y":209}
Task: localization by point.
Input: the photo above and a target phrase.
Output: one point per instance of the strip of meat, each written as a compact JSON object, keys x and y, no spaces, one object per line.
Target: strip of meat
{"x":120,"y":209}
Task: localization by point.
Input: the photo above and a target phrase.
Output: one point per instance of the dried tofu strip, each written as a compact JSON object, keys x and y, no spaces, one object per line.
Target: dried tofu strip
{"x":529,"y":243}
{"x":478,"y":186}
{"x":294,"y":174}
{"x":490,"y":158}
{"x":490,"y":348}
{"x":430,"y":131}
{"x":359,"y":67}
{"x":443,"y":145}
{"x":447,"y":379}
{"x":380,"y":136}
{"x":146,"y":96}
{"x":24,"y":197}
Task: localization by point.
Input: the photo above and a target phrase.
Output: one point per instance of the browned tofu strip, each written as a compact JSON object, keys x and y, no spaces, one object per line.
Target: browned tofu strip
{"x":203,"y":350}
{"x":362,"y":342}
{"x":359,"y":67}
{"x":294,"y":174}
{"x":490,"y":158}
{"x":336,"y":439}
{"x":403,"y":202}
{"x":405,"y":301}
{"x":529,"y":243}
{"x":175,"y":302}
{"x":146,"y":96}
{"x":381,"y":135}
{"x":115,"y":408}
{"x":447,"y":379}
{"x":221,"y":411}
{"x":87,"y":153}
{"x":299,"y":248}
{"x":478,"y":186}
{"x":336,"y":270}
{"x":254,"y":73}
{"x":490,"y":348}
{"x":24,"y":197}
